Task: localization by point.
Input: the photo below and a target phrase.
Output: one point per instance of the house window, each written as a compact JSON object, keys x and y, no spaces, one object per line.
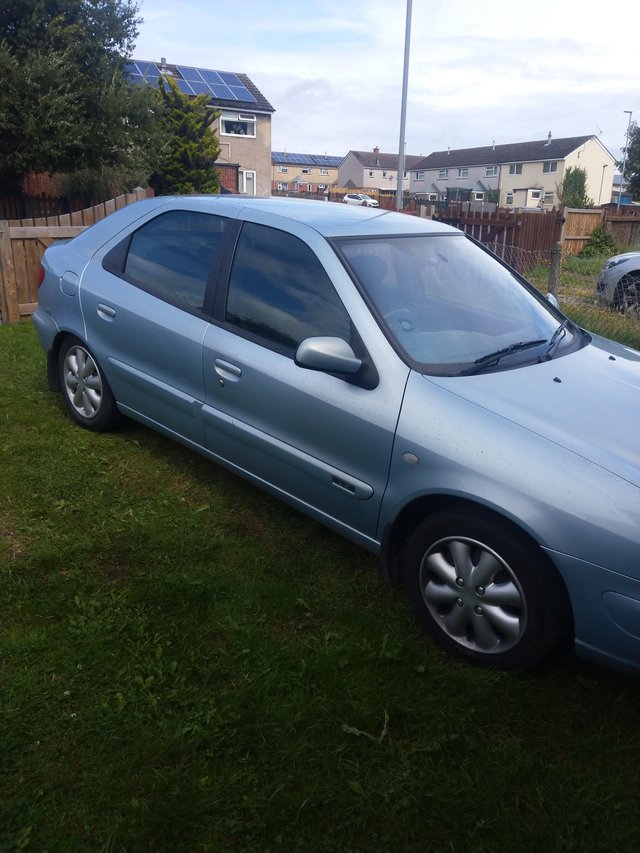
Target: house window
{"x":419,"y":176}
{"x":306,"y":170}
{"x":536,"y":195}
{"x":283,"y":186}
{"x":324,"y":171}
{"x":443,"y":174}
{"x":370,"y":173}
{"x":491,"y":172}
{"x":432,"y":197}
{"x":463,"y":172}
{"x":384,"y":174}
{"x":509,"y":199}
{"x":478,"y":196}
{"x":549,"y":197}
{"x":550,"y":166}
{"x":283,"y":169}
{"x":238,"y":124}
{"x":515,"y":168}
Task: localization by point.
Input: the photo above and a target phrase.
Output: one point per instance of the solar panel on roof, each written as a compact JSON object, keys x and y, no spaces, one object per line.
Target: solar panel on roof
{"x":190,"y":74}
{"x":222,"y":85}
{"x":184,"y":86}
{"x":200,"y":88}
{"x":148,"y":69}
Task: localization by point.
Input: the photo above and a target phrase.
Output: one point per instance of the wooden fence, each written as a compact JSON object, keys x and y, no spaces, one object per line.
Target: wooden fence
{"x":23,"y":242}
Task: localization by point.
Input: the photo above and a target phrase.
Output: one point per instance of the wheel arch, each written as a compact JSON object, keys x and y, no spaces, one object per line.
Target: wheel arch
{"x":397,"y":533}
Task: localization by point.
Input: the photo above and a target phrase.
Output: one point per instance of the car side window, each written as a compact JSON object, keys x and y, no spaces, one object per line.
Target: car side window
{"x":171,"y":256}
{"x":280,"y":292}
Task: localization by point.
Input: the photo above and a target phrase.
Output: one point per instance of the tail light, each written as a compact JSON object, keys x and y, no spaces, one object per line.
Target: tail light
{"x":40,"y":275}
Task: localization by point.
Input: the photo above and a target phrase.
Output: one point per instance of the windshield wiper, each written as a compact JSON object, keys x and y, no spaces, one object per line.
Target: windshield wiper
{"x":555,"y":340}
{"x":494,"y":357}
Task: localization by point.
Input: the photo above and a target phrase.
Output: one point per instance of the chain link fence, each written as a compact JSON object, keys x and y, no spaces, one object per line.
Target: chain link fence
{"x":573,"y":280}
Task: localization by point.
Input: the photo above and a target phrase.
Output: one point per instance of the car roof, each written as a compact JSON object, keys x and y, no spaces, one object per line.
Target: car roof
{"x":328,"y":218}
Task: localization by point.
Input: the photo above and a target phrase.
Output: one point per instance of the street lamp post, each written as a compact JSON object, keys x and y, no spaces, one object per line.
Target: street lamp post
{"x":403,"y":109}
{"x":624,"y":159}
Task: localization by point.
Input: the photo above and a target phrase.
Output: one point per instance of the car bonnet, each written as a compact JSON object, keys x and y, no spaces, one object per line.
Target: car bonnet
{"x":587,"y":402}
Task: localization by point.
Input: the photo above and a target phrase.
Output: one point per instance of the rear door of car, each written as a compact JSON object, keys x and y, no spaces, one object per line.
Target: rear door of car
{"x":323,"y":441}
{"x":142,"y":299}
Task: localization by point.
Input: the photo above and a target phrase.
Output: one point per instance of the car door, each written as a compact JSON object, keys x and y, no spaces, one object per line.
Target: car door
{"x":142,"y":300}
{"x":322,"y":441}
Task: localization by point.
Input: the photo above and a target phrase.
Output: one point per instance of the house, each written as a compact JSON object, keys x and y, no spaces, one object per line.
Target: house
{"x":521,"y":174}
{"x":309,"y":173}
{"x":374,"y":170}
{"x":243,"y":126}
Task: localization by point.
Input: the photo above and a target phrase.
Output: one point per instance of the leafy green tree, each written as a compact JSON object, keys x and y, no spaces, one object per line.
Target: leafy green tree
{"x":573,"y":191}
{"x":632,"y":166}
{"x":188,"y":160}
{"x":65,"y":106}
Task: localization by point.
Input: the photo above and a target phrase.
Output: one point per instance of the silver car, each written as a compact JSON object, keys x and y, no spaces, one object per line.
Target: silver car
{"x":360,"y":199}
{"x":619,"y":283}
{"x":389,"y":377}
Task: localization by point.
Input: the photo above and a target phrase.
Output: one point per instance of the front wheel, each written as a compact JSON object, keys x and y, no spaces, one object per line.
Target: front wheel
{"x":85,"y":390}
{"x":627,"y":294}
{"x":484,"y":591}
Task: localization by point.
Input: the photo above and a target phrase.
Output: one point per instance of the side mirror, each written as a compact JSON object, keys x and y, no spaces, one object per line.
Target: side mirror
{"x":552,"y":299}
{"x":331,"y":355}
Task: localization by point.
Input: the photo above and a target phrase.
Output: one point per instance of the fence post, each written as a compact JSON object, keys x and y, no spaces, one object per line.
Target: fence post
{"x":554,"y":272}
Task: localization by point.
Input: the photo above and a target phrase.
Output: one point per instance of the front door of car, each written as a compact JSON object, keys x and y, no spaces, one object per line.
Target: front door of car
{"x":322,"y":441}
{"x":143,"y":312}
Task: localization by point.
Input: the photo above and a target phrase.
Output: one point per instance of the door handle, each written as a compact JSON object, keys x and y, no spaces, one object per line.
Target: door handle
{"x":226,"y":370}
{"x":106,"y":311}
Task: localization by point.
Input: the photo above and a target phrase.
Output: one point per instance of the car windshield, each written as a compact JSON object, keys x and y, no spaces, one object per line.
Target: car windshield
{"x":451,"y":307}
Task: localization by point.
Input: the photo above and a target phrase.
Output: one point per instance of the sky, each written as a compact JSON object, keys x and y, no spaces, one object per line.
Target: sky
{"x":479,"y":73}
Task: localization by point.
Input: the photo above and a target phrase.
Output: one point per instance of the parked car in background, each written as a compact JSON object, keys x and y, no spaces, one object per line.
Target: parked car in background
{"x":387,"y":376}
{"x":619,"y":283}
{"x":360,"y":199}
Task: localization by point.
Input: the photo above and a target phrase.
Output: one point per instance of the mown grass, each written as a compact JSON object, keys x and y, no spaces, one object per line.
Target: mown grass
{"x":188,"y":665}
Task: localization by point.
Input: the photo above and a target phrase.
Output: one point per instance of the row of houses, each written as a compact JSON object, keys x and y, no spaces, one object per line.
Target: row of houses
{"x":527,"y":174}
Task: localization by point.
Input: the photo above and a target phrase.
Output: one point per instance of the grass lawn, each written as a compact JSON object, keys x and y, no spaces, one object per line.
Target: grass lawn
{"x":188,"y":665}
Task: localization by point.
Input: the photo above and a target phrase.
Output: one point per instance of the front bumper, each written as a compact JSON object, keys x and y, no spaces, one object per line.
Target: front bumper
{"x":606,"y":613}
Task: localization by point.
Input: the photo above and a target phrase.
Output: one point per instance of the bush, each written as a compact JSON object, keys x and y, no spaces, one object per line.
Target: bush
{"x":600,"y":243}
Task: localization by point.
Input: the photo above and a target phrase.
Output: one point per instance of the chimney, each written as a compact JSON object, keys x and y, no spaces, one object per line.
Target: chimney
{"x":376,"y":150}
{"x":548,"y":142}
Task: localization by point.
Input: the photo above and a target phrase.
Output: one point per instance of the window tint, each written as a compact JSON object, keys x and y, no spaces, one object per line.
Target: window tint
{"x":279,"y":291}
{"x":172,"y":254}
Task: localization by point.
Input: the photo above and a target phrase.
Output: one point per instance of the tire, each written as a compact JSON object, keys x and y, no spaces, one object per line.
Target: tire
{"x":626,"y":297}
{"x":484,"y":591}
{"x":84,"y":388}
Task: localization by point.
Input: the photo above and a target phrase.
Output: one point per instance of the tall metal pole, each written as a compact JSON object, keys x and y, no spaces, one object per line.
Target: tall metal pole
{"x":403,"y":110}
{"x":624,"y":159}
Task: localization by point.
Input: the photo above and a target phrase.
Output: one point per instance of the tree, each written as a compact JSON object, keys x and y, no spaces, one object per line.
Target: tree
{"x":188,"y":161}
{"x":632,"y":165}
{"x":64,"y":103}
{"x":573,"y":190}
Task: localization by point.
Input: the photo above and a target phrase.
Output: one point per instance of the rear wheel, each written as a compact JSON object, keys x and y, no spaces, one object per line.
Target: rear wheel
{"x":85,"y":390}
{"x":484,"y":591}
{"x":626,"y":297}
